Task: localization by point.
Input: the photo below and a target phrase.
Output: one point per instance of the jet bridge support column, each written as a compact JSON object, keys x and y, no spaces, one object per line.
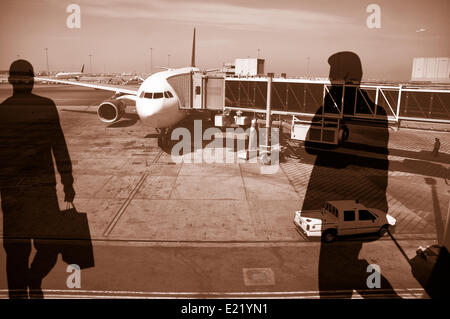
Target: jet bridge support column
{"x":266,"y":147}
{"x":446,"y":241}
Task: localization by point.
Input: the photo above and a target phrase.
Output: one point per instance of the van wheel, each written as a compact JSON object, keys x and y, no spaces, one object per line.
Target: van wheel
{"x":329,"y":236}
{"x":383,"y":230}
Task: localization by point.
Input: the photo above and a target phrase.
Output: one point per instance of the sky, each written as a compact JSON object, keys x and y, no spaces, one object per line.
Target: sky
{"x":288,"y":33}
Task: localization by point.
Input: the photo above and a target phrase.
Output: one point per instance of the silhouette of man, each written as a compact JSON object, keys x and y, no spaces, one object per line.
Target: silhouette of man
{"x":436,"y":147}
{"x":30,"y":133}
{"x":341,"y":176}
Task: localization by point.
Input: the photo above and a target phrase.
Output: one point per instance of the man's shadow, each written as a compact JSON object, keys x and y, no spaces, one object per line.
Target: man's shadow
{"x":30,"y":136}
{"x":338,"y":176}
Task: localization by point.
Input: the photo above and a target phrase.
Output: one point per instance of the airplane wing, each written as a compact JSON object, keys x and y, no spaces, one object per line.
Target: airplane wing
{"x":113,"y":88}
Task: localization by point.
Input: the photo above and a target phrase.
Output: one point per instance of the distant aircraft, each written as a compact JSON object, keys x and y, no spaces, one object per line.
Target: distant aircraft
{"x":70,"y":75}
{"x":157,"y":103}
{"x":135,"y":80}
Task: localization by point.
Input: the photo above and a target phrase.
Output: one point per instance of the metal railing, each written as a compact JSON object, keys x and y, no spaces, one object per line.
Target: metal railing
{"x":367,"y":101}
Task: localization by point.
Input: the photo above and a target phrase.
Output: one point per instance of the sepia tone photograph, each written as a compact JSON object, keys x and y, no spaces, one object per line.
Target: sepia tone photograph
{"x":225,"y":154}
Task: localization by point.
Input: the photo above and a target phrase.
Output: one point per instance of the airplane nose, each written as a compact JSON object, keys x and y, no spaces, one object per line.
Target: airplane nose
{"x":159,"y":113}
{"x":152,"y":112}
{"x":148,"y":108}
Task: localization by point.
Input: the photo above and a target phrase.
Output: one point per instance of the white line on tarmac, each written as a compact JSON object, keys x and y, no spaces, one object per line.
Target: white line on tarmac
{"x":334,"y":294}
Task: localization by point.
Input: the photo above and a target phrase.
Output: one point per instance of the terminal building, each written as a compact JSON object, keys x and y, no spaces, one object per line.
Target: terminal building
{"x":435,"y":70}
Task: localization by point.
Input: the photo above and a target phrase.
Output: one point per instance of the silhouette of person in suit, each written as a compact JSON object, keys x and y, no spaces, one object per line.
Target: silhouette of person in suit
{"x":30,"y":134}
{"x":342,"y":176}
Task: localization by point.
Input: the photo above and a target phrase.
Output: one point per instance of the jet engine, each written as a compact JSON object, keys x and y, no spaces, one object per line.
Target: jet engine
{"x":111,"y":110}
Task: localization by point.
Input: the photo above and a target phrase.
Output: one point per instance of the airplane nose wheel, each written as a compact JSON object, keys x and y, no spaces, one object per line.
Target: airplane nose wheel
{"x":163,"y":138}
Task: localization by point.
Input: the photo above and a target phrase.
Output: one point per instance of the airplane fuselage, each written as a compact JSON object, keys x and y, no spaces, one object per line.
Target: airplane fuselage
{"x":157,"y":103}
{"x":67,"y":76}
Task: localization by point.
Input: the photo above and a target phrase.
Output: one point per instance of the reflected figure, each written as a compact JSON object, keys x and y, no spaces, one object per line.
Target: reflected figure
{"x":436,"y":147}
{"x":342,"y":176}
{"x":430,"y":267}
{"x":30,"y":134}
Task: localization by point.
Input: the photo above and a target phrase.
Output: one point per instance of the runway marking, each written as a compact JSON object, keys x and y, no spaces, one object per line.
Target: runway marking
{"x":130,"y":197}
{"x":369,"y":293}
{"x":157,"y":157}
{"x":298,"y":242}
{"x":124,"y":206}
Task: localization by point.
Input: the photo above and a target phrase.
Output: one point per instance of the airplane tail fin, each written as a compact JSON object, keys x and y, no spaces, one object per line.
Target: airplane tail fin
{"x":82,"y":69}
{"x":193,"y":51}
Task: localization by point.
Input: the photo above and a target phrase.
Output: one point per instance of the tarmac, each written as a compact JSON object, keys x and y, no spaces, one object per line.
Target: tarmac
{"x":192,"y":228}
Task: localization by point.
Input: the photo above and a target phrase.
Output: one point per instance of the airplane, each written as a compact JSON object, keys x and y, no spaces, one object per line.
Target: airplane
{"x":70,"y":75}
{"x":134,"y":80}
{"x":157,"y":103}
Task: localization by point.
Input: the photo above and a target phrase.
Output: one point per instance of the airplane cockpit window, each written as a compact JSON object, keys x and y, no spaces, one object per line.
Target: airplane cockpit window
{"x":156,"y":95}
{"x":168,"y":94}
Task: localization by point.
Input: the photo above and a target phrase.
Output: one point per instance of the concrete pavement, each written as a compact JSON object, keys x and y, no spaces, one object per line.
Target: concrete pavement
{"x":162,"y":228}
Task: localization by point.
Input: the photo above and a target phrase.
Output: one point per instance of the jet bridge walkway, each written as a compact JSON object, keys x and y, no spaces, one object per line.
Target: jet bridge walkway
{"x":316,"y":109}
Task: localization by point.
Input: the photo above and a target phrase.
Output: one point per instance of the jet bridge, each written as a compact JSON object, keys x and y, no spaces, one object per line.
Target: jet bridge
{"x":197,"y":91}
{"x":316,"y":109}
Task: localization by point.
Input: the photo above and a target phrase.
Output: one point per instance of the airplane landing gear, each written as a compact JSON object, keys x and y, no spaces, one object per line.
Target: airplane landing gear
{"x":164,"y":137}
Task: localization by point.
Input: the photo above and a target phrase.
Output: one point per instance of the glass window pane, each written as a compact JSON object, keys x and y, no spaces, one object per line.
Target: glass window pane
{"x":148,"y":95}
{"x":365,"y":215}
{"x":158,"y":95}
{"x":349,"y":215}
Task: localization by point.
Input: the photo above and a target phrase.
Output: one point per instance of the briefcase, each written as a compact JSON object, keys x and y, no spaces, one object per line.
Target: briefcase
{"x":76,"y":245}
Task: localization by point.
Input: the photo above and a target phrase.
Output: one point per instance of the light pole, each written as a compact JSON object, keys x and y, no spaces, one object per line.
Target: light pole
{"x":151,"y":60}
{"x":446,"y":242}
{"x":258,"y":53}
{"x":145,"y":60}
{"x":46,"y":59}
{"x":307,"y":67}
{"x":168,"y":60}
{"x":90,"y":61}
